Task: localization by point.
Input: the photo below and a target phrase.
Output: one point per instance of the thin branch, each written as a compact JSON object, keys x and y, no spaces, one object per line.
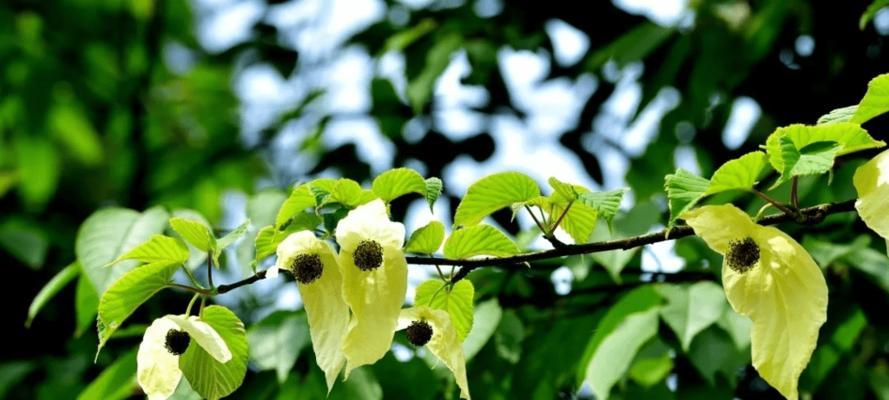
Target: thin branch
{"x":192,"y":289}
{"x":243,"y":282}
{"x":210,"y":270}
{"x":794,"y":192}
{"x":774,"y":202}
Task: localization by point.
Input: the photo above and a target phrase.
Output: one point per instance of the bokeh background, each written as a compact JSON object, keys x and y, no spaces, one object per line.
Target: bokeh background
{"x":220,"y":105}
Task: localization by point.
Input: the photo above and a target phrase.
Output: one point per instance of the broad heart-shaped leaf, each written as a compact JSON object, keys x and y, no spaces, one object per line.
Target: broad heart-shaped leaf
{"x":128,"y":293}
{"x":208,"y":377}
{"x":195,"y":233}
{"x":642,"y":300}
{"x":813,"y":159}
{"x":479,"y":240}
{"x":158,"y":249}
{"x":53,"y":287}
{"x":485,"y":320}
{"x":457,"y":301}
{"x":615,"y":353}
{"x":492,"y":193}
{"x":684,"y":190}
{"x":116,"y":381}
{"x":843,"y":114}
{"x":277,"y":340}
{"x":349,"y":193}
{"x":741,"y":173}
{"x":577,"y":218}
{"x":300,"y":199}
{"x":86,"y":305}
{"x":110,"y":232}
{"x":433,"y":191}
{"x":691,"y":309}
{"x":398,"y":182}
{"x":427,"y":239}
{"x":875,"y":101}
{"x":850,"y":137}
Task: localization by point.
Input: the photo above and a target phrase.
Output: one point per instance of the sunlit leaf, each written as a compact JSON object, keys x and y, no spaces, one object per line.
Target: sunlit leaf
{"x":427,"y":239}
{"x":398,"y":182}
{"x":479,"y":240}
{"x":684,"y":190}
{"x":207,"y":376}
{"x":876,"y":99}
{"x":456,"y":300}
{"x":53,"y":287}
{"x":492,"y":193}
{"x":195,"y":233}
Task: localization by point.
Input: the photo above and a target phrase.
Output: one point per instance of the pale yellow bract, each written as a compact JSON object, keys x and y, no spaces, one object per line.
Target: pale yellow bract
{"x":784,"y":293}
{"x":871,"y":180}
{"x":375,"y":296}
{"x":157,"y":369}
{"x":444,"y":344}
{"x":322,"y":299}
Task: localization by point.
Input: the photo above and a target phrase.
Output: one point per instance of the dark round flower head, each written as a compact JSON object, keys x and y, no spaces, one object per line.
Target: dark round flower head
{"x":307,"y":268}
{"x":419,"y":333}
{"x":177,"y":341}
{"x":742,"y":255}
{"x":368,"y":255}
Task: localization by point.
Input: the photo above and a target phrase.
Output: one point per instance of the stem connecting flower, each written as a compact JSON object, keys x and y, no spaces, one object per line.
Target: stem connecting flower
{"x":157,"y":362}
{"x":771,"y":279}
{"x":314,"y":265}
{"x":374,"y":281}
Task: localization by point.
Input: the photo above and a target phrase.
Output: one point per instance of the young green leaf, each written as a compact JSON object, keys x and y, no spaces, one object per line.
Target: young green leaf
{"x":484,"y":322}
{"x":813,"y":159}
{"x":606,"y":204}
{"x":86,"y":305}
{"x":232,"y":236}
{"x":53,"y":287}
{"x":208,"y":377}
{"x":578,"y":219}
{"x":398,"y":182}
{"x":684,"y":190}
{"x":194,"y":232}
{"x":842,"y":114}
{"x":110,"y":232}
{"x":427,"y":239}
{"x":875,"y":101}
{"x":266,"y":242}
{"x":850,"y":137}
{"x":479,"y":240}
{"x":457,"y":301}
{"x":691,"y":309}
{"x":158,"y":249}
{"x":432,"y":191}
{"x":739,"y":174}
{"x":128,"y":293}
{"x":492,"y":193}
{"x":300,"y":199}
{"x":348,"y":193}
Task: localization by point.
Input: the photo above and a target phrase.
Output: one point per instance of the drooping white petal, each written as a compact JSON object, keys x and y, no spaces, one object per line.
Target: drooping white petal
{"x":369,"y":221}
{"x":204,"y":335}
{"x":157,"y":370}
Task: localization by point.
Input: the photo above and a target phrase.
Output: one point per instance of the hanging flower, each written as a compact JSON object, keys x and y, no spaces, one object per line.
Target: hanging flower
{"x":771,"y":279}
{"x":374,"y":281}
{"x":871,"y":180}
{"x":157,"y":362}
{"x":314,"y":266}
{"x":432,"y":328}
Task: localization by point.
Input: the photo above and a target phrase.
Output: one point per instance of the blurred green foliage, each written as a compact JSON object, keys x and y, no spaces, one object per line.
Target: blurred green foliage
{"x":92,"y":114}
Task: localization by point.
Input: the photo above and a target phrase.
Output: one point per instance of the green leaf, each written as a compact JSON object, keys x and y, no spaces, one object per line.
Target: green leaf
{"x":109,"y":233}
{"x":485,"y":320}
{"x":277,"y":340}
{"x":349,"y":193}
{"x":456,"y":300}
{"x":208,"y":377}
{"x":419,"y":88}
{"x":612,"y":358}
{"x":24,"y":240}
{"x":638,"y":301}
{"x":117,"y":381}
{"x":579,"y":219}
{"x":86,"y":305}
{"x":158,"y":249}
{"x":842,"y":114}
{"x":38,"y":165}
{"x":508,"y":337}
{"x":737,"y":326}
{"x":398,"y":182}
{"x":814,"y":159}
{"x":427,"y":239}
{"x":127,"y":294}
{"x":684,"y":190}
{"x":850,"y":138}
{"x":300,"y":199}
{"x":197,"y":258}
{"x":232,"y":236}
{"x":321,"y":188}
{"x":266,"y":242}
{"x":875,"y":101}
{"x":492,"y":193}
{"x":433,"y":191}
{"x":479,"y":240}
{"x":713,"y":352}
{"x":691,"y":309}
{"x":53,"y":287}
{"x":871,"y":11}
{"x":194,"y":232}
{"x":652,"y":364}
{"x":842,"y":334}
{"x":606,"y":204}
{"x":739,"y":174}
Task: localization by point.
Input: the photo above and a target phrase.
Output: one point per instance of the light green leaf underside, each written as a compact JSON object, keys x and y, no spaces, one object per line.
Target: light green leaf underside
{"x":194,"y":232}
{"x":457,"y":301}
{"x":398,"y":182}
{"x":739,"y":174}
{"x":232,"y":236}
{"x":684,"y":190}
{"x":479,"y":240}
{"x":86,"y":305}
{"x":53,"y":287}
{"x":277,"y":341}
{"x":158,"y":249}
{"x":691,"y":309}
{"x":850,"y":137}
{"x":492,"y":193}
{"x":208,"y":377}
{"x":875,"y":101}
{"x":300,"y":199}
{"x":813,"y":159}
{"x":843,"y":114}
{"x":606,"y":204}
{"x":485,"y":320}
{"x":127,"y":294}
{"x":117,"y":381}
{"x":110,"y":232}
{"x":613,"y":356}
{"x":578,"y":221}
{"x":427,"y":239}
{"x":433,"y":191}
